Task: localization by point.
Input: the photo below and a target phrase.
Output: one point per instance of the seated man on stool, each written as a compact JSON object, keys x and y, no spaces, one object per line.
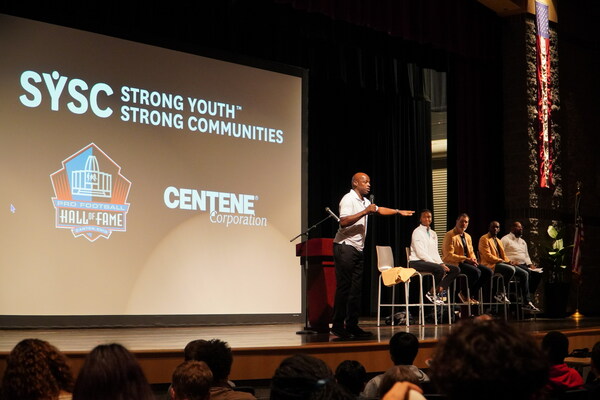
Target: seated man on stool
{"x":492,"y":254}
{"x":424,"y":257}
{"x":457,"y":249}
{"x":516,"y":250}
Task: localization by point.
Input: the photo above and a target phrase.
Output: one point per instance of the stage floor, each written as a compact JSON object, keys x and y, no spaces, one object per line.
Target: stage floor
{"x":258,"y":349}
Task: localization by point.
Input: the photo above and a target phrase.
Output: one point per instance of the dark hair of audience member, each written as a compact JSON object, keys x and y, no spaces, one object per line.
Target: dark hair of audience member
{"x":111,"y":372}
{"x":398,"y":373}
{"x":305,"y":377}
{"x":489,"y":359}
{"x":35,"y":370}
{"x":215,"y":353}
{"x":556,"y":346}
{"x":595,"y":357}
{"x":191,"y":381}
{"x":404,"y":347}
{"x":351,"y":375}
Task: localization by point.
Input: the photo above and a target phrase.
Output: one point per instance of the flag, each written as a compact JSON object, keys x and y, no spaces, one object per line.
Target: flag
{"x":544,"y":103}
{"x":576,"y":259}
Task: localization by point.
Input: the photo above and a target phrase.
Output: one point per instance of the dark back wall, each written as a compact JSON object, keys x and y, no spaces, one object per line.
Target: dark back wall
{"x":579,"y":50}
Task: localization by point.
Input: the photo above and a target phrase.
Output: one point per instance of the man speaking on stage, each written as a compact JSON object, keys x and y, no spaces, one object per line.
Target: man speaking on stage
{"x":348,"y":255}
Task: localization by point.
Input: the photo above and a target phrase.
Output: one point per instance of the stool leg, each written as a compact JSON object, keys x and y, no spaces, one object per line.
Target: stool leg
{"x":393,"y":302}
{"x":433,"y":285}
{"x":498,"y":280}
{"x":468,"y":294}
{"x":449,"y":306}
{"x":406,"y":287}
{"x":379,"y":302}
{"x":421,"y":302}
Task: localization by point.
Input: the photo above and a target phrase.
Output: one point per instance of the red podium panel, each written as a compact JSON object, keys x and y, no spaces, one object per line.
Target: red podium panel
{"x":320,"y":281}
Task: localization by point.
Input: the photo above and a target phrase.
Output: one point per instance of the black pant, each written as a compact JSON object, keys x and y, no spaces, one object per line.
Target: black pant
{"x":349,"y":265}
{"x":528,"y":281}
{"x":534,"y":278}
{"x":477,"y":276}
{"x":437,"y":270}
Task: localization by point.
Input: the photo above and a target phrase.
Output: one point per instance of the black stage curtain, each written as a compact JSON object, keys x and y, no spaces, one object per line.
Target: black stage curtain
{"x":475,"y":167}
{"x":385,"y":133}
{"x":372,"y":116}
{"x":460,"y":37}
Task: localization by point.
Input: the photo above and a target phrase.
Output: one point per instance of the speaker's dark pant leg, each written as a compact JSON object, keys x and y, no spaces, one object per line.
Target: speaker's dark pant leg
{"x":349,"y":265}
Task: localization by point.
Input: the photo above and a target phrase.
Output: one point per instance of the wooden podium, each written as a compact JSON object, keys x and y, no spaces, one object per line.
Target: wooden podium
{"x":320,"y":281}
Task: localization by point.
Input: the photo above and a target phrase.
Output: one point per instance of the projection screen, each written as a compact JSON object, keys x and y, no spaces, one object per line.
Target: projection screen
{"x":138,"y":180}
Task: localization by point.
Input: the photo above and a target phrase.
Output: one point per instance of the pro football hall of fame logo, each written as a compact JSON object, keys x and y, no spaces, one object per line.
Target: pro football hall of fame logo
{"x":91,"y":194}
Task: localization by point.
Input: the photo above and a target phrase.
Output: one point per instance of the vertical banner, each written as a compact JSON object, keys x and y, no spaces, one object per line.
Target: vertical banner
{"x":544,"y":99}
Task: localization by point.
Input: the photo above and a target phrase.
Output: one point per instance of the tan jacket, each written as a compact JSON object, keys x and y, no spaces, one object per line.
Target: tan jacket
{"x":453,"y":252}
{"x":488,"y":253}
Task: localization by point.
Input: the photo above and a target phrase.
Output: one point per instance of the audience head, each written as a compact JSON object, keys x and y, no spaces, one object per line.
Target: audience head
{"x":352,"y":375}
{"x":303,"y":377}
{"x":556,"y":346}
{"x":111,"y":372}
{"x":596,"y":359}
{"x":191,"y":381}
{"x":488,"y":359}
{"x":35,"y":370}
{"x":404,"y":347}
{"x":215,"y":353}
{"x":398,"y":373}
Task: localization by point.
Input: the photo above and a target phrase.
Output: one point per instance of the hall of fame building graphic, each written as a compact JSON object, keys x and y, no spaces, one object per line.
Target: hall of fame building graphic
{"x":91,"y":194}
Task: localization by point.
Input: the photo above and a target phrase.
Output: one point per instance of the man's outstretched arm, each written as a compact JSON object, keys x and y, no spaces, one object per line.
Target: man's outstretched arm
{"x":394,"y":211}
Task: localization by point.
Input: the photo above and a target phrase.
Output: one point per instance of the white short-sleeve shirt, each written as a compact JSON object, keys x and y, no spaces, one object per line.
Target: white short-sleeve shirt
{"x":353,"y":235}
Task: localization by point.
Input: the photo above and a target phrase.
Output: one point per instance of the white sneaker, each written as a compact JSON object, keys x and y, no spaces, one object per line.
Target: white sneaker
{"x":501,"y":298}
{"x":530,"y":307}
{"x":434,"y":299}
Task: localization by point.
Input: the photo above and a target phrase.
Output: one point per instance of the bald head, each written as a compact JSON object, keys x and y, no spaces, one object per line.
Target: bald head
{"x":357,"y":177}
{"x":494,"y":228}
{"x":517,"y":229}
{"x":361,"y":183}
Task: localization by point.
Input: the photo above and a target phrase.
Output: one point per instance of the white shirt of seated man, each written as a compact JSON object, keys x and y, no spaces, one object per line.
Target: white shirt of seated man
{"x":515,"y":247}
{"x":424,"y":242}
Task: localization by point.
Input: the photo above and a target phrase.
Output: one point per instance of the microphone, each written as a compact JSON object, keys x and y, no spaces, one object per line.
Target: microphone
{"x":371,"y":198}
{"x":332,"y":214}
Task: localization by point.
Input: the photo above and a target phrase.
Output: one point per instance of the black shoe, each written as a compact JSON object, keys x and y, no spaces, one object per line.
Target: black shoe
{"x":341,"y":333}
{"x":357,"y":332}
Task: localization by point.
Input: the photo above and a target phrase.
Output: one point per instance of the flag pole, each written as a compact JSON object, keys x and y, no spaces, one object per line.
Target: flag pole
{"x":577,"y":315}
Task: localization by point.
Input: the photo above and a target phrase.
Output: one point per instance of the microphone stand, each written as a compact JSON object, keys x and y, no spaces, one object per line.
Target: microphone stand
{"x":307,"y":329}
